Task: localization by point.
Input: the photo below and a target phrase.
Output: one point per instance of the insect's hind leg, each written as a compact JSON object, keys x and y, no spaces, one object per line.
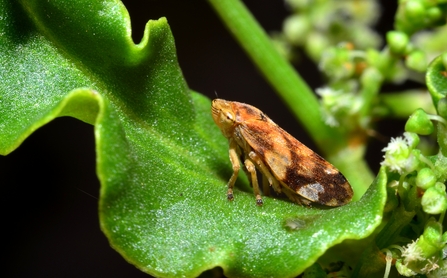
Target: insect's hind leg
{"x":265,"y":185}
{"x":254,"y":180}
{"x":266,"y":174}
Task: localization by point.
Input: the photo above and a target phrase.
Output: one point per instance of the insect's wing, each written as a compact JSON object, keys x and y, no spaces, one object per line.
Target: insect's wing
{"x":295,"y":165}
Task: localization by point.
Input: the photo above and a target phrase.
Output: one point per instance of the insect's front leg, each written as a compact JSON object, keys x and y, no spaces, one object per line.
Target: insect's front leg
{"x":254,"y":180}
{"x":234,"y":158}
{"x":266,"y":173}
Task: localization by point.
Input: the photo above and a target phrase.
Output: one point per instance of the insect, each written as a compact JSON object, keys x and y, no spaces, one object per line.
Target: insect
{"x":285,"y":163}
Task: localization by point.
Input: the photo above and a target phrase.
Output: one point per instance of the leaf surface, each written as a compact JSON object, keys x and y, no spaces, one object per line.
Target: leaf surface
{"x":162,"y":163}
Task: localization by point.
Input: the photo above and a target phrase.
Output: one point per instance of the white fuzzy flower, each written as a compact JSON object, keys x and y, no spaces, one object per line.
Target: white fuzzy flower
{"x":412,"y":252}
{"x":396,"y":155}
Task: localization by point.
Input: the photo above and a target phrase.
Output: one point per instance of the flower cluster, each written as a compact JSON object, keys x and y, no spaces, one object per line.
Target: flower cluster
{"x":339,"y":36}
{"x":422,"y":191}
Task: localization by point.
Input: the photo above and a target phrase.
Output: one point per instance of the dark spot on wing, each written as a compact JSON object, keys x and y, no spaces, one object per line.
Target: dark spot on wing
{"x":335,"y":185}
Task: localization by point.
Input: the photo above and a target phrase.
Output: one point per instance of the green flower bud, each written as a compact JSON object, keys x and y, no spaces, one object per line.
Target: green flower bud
{"x":413,"y":162}
{"x":412,"y":139}
{"x":372,"y":57}
{"x":417,"y":60}
{"x":337,"y":63}
{"x":442,"y":107}
{"x":440,"y":186}
{"x":403,"y":269}
{"x":419,"y":123}
{"x":296,"y":28}
{"x":316,"y":44}
{"x":434,"y":13}
{"x":414,"y":10}
{"x":397,"y":41}
{"x":371,"y":77}
{"x":426,"y":178}
{"x":434,"y":200}
{"x":430,"y":242}
{"x":297,"y":4}
{"x":380,"y":60}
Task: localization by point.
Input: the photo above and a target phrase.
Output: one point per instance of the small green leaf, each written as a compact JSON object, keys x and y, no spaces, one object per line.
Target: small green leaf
{"x":437,"y":79}
{"x":162,"y":163}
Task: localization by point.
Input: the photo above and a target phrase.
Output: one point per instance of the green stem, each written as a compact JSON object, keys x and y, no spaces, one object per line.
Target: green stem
{"x":442,"y":139}
{"x":371,"y":81}
{"x":279,"y":73}
{"x":403,"y":104}
{"x":391,"y":232}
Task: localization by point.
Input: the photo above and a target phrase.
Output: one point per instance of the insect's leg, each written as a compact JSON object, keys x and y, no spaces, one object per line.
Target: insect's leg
{"x":254,"y":180}
{"x":234,"y":158}
{"x":265,"y":185}
{"x":265,"y":171}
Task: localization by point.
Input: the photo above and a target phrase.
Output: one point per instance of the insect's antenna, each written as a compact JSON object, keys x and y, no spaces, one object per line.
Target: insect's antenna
{"x":215,"y":92}
{"x":94,"y":197}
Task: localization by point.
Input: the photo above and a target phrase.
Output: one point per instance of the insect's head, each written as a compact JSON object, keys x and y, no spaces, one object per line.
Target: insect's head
{"x":223,"y":116}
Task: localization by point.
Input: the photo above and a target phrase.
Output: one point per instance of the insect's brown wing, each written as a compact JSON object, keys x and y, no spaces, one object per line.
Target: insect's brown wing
{"x":295,"y":165}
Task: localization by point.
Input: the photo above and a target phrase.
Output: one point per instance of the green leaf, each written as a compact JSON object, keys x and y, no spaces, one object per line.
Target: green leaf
{"x":436,"y":78}
{"x":162,"y":163}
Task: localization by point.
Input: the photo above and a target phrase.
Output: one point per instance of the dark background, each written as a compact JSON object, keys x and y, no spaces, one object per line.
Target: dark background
{"x":50,"y":189}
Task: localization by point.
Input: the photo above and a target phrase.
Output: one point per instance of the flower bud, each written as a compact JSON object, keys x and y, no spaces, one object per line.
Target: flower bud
{"x":417,"y":61}
{"x":414,"y":10}
{"x":403,"y":269}
{"x":412,"y":139}
{"x":426,"y":178}
{"x":434,"y":200}
{"x":430,"y":242}
{"x":419,"y":123}
{"x":434,"y":13}
{"x":296,"y":28}
{"x":316,"y":44}
{"x":337,"y":63}
{"x":413,"y":161}
{"x":397,"y":41}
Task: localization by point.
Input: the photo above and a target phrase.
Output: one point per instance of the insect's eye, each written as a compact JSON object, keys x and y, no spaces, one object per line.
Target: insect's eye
{"x":229,"y":116}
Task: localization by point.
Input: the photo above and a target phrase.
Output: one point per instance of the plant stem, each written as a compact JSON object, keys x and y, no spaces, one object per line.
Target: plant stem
{"x":403,"y":104}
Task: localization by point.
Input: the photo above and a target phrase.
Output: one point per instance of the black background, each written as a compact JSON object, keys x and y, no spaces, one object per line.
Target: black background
{"x":49,"y":185}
